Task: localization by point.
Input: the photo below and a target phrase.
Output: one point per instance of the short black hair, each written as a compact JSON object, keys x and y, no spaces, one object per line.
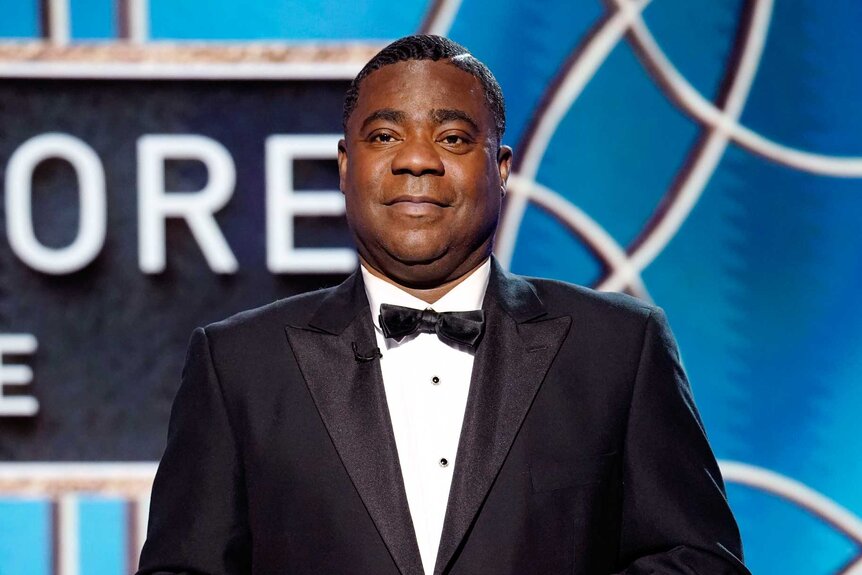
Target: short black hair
{"x":429,"y":47}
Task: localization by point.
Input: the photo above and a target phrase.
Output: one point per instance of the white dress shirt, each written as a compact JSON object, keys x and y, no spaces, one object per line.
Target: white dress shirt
{"x":426,"y":383}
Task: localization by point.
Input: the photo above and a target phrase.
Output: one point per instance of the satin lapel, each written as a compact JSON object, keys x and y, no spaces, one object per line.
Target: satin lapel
{"x":510,"y":365}
{"x":351,"y":399}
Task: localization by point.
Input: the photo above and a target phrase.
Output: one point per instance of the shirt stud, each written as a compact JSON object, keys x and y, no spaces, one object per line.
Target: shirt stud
{"x":435,"y":380}
{"x":444,"y":462}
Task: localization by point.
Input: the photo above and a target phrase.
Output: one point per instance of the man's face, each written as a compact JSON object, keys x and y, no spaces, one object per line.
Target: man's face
{"x":422,"y":173}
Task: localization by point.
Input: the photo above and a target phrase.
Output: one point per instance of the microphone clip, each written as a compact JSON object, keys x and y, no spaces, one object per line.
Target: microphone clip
{"x":364,"y":358}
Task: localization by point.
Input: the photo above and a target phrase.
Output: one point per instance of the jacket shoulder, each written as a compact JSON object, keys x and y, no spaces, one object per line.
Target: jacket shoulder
{"x":586,"y":304}
{"x":293,"y":310}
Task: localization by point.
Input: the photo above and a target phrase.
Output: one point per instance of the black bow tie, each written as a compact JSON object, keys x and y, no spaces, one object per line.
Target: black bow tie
{"x":463,"y":327}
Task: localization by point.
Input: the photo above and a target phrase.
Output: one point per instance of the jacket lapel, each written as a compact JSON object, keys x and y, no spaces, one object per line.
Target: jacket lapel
{"x":350,"y":397}
{"x":517,"y":349}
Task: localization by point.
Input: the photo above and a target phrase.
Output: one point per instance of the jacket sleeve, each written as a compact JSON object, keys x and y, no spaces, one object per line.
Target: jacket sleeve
{"x":198,"y":511}
{"x":675,"y":515}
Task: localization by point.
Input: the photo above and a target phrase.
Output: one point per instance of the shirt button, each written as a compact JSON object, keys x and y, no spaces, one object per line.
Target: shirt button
{"x":444,"y":462}
{"x":435,"y":380}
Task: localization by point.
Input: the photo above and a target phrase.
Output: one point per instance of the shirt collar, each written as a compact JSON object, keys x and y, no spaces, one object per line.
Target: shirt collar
{"x":465,"y":296}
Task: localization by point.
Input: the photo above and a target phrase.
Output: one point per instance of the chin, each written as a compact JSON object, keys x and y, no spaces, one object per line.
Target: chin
{"x":417,"y":267}
{"x":413,"y":250}
{"x":418,"y":259}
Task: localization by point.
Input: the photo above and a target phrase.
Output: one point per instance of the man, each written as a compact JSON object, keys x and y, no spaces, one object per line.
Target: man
{"x":353,"y":430}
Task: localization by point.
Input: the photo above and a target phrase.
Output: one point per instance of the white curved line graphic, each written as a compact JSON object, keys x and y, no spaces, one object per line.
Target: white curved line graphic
{"x":854,"y":568}
{"x":707,"y":113}
{"x":597,"y":237}
{"x":444,"y":18}
{"x":589,"y":61}
{"x":706,"y":162}
{"x":795,"y":492}
{"x":722,"y":125}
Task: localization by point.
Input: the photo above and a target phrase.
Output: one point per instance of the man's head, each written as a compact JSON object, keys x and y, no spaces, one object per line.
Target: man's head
{"x":422,"y":167}
{"x":428,"y":47}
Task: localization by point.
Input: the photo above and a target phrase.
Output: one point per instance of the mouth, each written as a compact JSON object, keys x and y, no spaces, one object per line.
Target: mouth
{"x":416,"y":199}
{"x":417,"y":206}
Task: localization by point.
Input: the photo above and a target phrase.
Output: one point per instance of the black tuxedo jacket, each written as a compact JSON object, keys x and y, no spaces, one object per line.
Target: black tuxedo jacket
{"x":581,"y":449}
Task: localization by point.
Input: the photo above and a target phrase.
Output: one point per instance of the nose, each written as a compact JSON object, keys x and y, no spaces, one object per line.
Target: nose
{"x":417,"y":157}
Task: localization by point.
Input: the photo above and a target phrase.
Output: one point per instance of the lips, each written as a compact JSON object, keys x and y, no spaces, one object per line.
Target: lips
{"x":417,"y":206}
{"x":416,"y":199}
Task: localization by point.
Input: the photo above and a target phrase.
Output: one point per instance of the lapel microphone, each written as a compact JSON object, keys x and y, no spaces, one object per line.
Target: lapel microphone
{"x":363,"y":358}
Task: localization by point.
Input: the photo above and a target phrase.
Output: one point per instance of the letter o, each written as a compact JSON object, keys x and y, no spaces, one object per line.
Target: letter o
{"x":90,"y":236}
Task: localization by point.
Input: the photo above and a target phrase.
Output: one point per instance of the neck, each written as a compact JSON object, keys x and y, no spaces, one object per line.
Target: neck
{"x":428,"y":295}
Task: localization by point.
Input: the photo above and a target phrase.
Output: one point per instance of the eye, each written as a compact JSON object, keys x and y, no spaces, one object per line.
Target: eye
{"x":381,"y":138}
{"x":456,"y":142}
{"x":453,"y":139}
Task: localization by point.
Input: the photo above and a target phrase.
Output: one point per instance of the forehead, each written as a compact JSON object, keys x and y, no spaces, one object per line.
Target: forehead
{"x":419,"y":86}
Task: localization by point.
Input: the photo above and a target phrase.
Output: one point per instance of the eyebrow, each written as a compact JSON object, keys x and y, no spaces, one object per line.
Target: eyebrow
{"x":387,"y":114}
{"x":441,"y":116}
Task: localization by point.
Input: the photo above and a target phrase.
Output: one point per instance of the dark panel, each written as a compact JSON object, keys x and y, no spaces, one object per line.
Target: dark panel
{"x":112,"y":339}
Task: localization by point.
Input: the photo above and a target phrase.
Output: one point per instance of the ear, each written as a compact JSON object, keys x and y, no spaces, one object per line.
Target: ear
{"x":504,"y":164}
{"x":342,"y":164}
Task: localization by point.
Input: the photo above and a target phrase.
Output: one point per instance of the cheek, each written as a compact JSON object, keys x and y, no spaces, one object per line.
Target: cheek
{"x":484,"y":198}
{"x":359,"y":178}
{"x":479,"y":180}
{"x":365,"y":170}
{"x":361,"y":190}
